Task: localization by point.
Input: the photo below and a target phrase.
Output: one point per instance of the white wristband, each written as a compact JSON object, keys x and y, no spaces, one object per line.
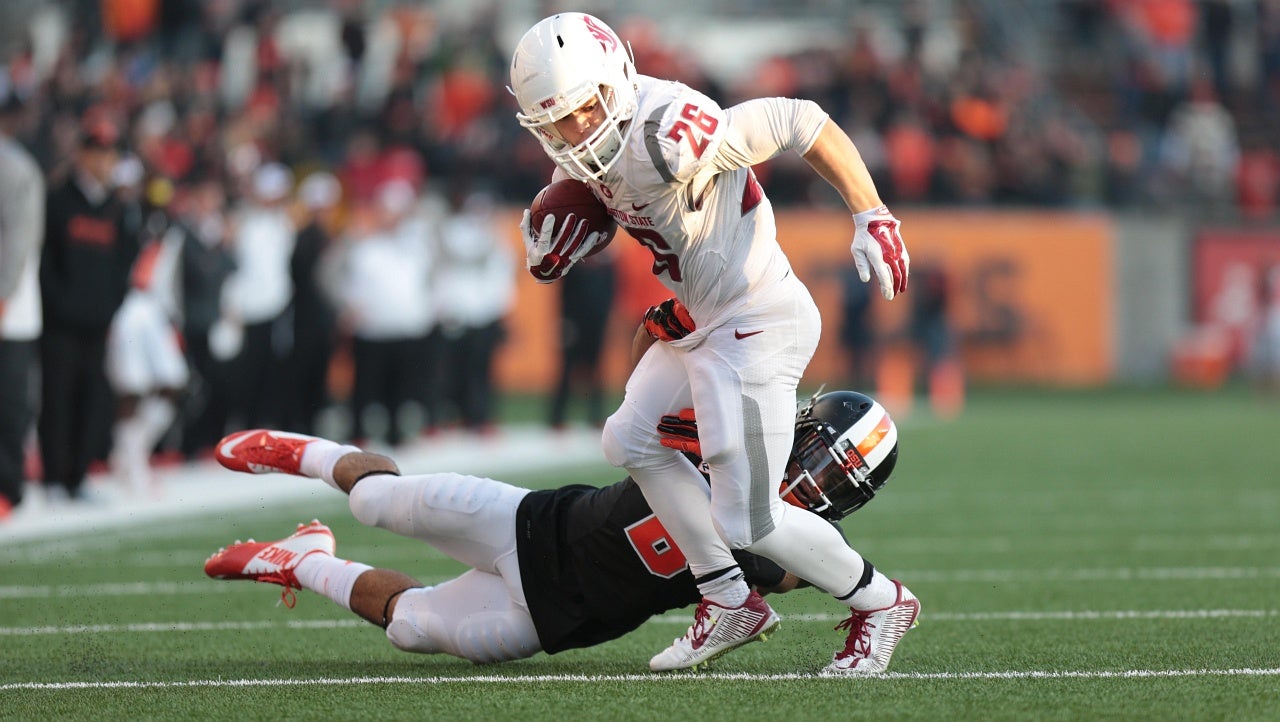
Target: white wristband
{"x":864,"y":217}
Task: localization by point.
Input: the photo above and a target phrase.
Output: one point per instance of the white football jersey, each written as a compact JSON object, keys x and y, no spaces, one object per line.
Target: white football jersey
{"x":681,"y":192}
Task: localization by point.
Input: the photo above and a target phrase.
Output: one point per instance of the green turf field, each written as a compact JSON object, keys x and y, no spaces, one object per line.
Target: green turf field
{"x":1078,"y":556}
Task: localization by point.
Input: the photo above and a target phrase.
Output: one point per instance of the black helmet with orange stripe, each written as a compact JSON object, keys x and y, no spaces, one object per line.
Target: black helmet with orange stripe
{"x":845,"y":448}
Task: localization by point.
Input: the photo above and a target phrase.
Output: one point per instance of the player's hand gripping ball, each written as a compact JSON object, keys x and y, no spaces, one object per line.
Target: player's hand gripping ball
{"x":564,"y":224}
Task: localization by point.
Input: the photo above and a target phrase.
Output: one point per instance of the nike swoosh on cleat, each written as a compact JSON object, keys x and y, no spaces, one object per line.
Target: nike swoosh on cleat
{"x":225,"y":449}
{"x":740,"y":335}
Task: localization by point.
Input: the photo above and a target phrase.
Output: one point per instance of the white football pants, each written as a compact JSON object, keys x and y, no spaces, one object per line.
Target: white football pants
{"x":133,"y":440}
{"x":143,"y":353}
{"x":482,"y":615}
{"x":741,"y":381}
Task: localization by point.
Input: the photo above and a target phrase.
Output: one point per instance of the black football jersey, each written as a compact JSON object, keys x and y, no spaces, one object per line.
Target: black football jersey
{"x":596,"y":563}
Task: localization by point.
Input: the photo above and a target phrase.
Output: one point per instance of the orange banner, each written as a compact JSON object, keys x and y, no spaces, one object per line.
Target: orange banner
{"x":1031,"y":296}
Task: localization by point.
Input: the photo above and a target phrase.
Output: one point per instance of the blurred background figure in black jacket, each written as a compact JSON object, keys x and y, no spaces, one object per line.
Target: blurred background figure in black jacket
{"x":84,"y":274}
{"x":207,"y":263}
{"x":314,"y":316}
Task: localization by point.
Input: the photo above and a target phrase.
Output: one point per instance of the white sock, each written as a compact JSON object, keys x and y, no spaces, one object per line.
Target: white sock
{"x":728,"y":591}
{"x":330,"y":576}
{"x":319,"y":458}
{"x":879,"y":593}
{"x":129,"y":456}
{"x":156,"y":414}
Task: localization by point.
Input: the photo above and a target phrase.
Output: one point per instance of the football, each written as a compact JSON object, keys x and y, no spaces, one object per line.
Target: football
{"x":566,"y":197}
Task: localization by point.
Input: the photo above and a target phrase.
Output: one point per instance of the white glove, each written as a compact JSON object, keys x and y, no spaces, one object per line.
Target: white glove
{"x":549,"y":255}
{"x":877,"y":246}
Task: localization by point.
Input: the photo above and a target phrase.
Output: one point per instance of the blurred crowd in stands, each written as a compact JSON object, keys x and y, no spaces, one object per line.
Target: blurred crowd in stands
{"x":1113,"y":102}
{"x":329,"y":171}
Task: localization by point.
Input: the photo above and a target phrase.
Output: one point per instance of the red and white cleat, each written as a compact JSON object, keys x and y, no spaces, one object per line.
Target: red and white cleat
{"x":272,"y":562}
{"x":873,"y":635}
{"x":263,"y":451}
{"x":717,"y":630}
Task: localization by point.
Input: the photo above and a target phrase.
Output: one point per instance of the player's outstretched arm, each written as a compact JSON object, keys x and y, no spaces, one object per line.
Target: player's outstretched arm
{"x":834,"y":156}
{"x":877,"y":243}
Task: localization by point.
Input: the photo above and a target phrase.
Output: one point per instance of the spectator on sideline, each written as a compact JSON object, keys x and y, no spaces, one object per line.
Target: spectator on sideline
{"x":21,"y":235}
{"x":385,"y":303}
{"x":586,"y":300}
{"x":473,"y":288}
{"x":145,"y":364}
{"x":857,"y":331}
{"x":257,"y":295}
{"x":207,"y":263}
{"x":314,"y":317}
{"x":84,"y":274}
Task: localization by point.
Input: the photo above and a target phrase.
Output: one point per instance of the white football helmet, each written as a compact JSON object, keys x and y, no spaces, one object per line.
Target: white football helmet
{"x":562,"y":63}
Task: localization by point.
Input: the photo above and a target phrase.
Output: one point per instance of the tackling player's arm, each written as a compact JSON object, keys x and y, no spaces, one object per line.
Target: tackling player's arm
{"x":666,"y":321}
{"x":640,"y":343}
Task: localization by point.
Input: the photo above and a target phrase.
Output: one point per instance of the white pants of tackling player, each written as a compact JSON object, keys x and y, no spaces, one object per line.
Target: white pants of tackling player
{"x":741,"y":381}
{"x":482,"y":615}
{"x":143,"y":355}
{"x":143,"y":358}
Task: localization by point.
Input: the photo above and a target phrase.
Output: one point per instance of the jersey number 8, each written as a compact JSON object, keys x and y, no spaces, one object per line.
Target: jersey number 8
{"x":654,"y":546}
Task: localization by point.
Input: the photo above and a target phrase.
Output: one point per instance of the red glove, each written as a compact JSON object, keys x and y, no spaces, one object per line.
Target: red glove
{"x":877,"y":247}
{"x":680,"y":432}
{"x":548,"y":254}
{"x":668,"y":321}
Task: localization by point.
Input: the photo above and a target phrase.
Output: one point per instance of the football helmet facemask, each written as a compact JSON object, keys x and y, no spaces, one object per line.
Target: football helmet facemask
{"x":846,"y":446}
{"x":560,"y":65}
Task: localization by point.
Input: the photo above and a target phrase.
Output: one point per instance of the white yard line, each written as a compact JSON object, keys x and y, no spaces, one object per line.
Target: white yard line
{"x":675,"y":618}
{"x":1087,"y":575}
{"x":680,"y":677}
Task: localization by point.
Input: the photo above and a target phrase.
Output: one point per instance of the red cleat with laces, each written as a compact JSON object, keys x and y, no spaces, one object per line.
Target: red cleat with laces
{"x":272,"y":562}
{"x":873,"y":635}
{"x":717,"y":630}
{"x":263,"y":451}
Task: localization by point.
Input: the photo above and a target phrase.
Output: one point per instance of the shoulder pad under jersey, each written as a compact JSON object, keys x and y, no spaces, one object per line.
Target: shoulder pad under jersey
{"x":681,"y":130}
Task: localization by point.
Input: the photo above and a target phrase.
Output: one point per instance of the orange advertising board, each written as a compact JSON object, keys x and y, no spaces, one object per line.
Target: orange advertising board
{"x":1031,"y":299}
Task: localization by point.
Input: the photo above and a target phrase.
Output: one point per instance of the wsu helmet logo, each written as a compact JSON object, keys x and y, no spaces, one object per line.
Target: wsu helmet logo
{"x":608,"y":41}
